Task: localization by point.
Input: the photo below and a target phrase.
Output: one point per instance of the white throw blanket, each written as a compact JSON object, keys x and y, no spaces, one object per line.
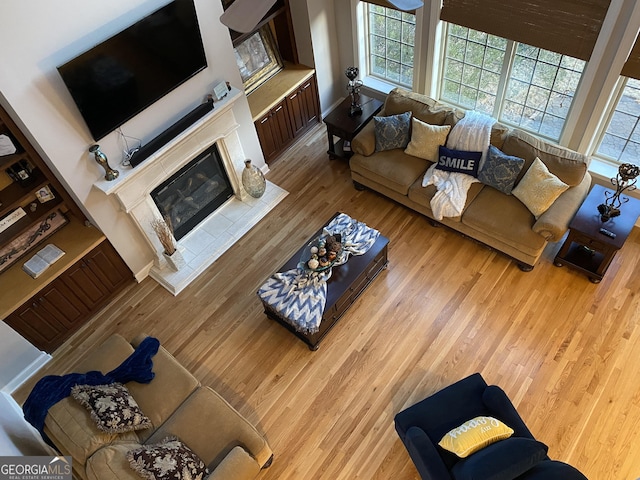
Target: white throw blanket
{"x":472,"y":134}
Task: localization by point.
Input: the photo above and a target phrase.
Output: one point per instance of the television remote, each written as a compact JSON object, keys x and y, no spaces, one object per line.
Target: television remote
{"x":608,"y":233}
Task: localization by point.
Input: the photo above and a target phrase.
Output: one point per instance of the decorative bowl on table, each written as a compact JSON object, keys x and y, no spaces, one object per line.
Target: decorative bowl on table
{"x":321,"y":253}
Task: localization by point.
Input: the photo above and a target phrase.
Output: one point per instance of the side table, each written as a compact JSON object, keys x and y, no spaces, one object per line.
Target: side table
{"x":341,"y":125}
{"x":586,"y":248}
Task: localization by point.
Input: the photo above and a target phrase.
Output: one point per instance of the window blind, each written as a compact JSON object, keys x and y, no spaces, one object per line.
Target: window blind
{"x":409,"y":6}
{"x":631,"y":67}
{"x":569,"y":27}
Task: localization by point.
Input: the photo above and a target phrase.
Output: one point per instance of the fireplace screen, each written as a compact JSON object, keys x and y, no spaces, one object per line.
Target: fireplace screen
{"x":194,"y":192}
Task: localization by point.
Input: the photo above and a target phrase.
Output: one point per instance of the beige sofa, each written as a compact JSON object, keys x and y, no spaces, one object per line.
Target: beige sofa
{"x":491,"y":217}
{"x":177,"y":405}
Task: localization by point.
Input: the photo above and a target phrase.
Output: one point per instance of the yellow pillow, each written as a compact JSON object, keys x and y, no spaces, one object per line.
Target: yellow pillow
{"x":473,"y":435}
{"x":425,"y":139}
{"x":539,"y":188}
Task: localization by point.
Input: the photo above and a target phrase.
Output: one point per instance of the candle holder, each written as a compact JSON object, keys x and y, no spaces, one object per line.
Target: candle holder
{"x":353,"y":87}
{"x":101,"y":158}
{"x":625,"y":180}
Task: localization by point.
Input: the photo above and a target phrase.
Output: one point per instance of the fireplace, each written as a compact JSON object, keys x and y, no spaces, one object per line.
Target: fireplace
{"x":195,"y":191}
{"x":214,"y":146}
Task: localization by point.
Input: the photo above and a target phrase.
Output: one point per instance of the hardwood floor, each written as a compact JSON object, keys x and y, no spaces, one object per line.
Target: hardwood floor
{"x":564,"y":349}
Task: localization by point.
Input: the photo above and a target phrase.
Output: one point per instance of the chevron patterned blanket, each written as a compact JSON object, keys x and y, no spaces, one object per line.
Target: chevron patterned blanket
{"x":299,"y":296}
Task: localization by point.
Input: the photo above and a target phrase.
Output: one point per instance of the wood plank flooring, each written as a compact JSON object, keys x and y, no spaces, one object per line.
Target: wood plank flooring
{"x":564,"y":349}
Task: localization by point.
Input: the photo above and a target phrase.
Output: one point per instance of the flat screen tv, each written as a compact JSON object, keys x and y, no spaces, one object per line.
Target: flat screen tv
{"x":117,"y":79}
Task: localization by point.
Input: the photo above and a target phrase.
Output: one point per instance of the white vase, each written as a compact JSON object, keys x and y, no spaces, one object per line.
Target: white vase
{"x":175,"y":260}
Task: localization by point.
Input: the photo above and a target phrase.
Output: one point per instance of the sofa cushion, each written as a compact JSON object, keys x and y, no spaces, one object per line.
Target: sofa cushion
{"x":423,"y":195}
{"x":112,"y":407}
{"x":500,"y":170}
{"x":504,"y":460}
{"x":170,"y":387}
{"x":567,"y":165}
{"x":168,"y":459}
{"x":474,"y":435}
{"x":505,"y":218}
{"x":111,"y":462}
{"x":71,"y":428}
{"x":539,"y":188}
{"x":425,"y":139}
{"x":392,"y":131}
{"x":422,"y":107}
{"x":393,"y":169}
{"x":206,"y":407}
{"x":460,"y":161}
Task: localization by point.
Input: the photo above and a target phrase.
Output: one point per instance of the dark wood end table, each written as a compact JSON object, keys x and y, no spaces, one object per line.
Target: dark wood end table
{"x":346,"y":284}
{"x":341,"y":125}
{"x":586,"y":248}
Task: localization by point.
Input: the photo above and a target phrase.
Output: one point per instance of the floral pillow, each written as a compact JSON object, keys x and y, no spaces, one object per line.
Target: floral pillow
{"x":392,"y":131}
{"x":112,"y":407}
{"x":169,"y":459}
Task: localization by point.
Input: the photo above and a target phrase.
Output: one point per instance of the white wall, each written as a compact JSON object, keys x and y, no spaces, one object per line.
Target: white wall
{"x":38,"y":35}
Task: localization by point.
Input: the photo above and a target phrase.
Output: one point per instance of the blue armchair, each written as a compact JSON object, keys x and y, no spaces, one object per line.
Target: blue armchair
{"x":520,"y":457}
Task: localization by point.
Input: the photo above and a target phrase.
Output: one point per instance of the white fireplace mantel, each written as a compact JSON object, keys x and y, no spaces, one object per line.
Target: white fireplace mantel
{"x":209,"y":239}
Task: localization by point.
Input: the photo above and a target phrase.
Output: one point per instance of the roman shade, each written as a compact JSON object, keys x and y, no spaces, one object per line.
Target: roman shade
{"x":404,"y":5}
{"x":569,"y":27}
{"x":631,"y":67}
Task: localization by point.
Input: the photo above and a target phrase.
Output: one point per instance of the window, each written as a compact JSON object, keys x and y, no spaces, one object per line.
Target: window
{"x":621,"y":140}
{"x":391,"y":44}
{"x":518,"y":84}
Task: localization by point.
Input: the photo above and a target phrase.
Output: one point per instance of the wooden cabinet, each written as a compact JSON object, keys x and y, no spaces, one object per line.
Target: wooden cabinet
{"x":52,"y":315}
{"x":274,"y":131}
{"x":46,"y":310}
{"x":302,"y":106}
{"x":94,"y":278}
{"x":284,"y":108}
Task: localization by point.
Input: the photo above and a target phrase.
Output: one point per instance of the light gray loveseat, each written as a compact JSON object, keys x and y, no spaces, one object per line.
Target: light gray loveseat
{"x":491,"y":217}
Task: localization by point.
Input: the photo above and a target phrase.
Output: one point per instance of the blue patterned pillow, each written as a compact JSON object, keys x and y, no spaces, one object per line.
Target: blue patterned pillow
{"x":500,"y":170}
{"x":392,"y":131}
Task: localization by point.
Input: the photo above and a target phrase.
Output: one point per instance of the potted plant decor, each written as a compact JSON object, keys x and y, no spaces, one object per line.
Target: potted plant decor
{"x":162,"y":228}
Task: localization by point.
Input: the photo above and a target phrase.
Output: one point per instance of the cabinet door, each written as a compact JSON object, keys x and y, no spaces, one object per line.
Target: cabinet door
{"x":309,"y":96}
{"x":50,"y":317}
{"x":274,"y":131}
{"x":303,"y":107}
{"x":99,"y":274}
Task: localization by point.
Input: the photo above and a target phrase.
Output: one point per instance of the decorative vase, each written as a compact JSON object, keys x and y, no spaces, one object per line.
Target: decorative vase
{"x":253,"y":180}
{"x":175,"y":260}
{"x":101,"y":159}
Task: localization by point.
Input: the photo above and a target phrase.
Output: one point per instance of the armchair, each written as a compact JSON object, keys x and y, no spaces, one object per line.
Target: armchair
{"x":422,"y":425}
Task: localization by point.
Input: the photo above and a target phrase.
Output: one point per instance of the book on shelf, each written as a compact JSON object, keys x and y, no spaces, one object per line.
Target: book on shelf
{"x":42,"y":260}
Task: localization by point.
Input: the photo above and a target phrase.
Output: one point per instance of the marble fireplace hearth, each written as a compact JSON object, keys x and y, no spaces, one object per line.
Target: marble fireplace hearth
{"x":208,"y":240}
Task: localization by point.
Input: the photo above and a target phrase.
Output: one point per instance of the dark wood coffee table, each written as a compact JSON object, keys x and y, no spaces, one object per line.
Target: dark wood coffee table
{"x":346,"y":284}
{"x":586,"y":248}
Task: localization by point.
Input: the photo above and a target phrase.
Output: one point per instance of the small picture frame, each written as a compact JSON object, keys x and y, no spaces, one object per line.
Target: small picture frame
{"x":220,"y":91}
{"x":258,"y":58}
{"x":45,"y":194}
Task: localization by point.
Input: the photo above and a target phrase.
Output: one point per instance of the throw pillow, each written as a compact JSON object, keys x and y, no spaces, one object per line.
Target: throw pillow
{"x":112,"y":407}
{"x":169,"y":459}
{"x":500,"y":170}
{"x":539,"y":188}
{"x":473,"y":435}
{"x":505,"y":460}
{"x":425,"y":139}
{"x":392,"y":131}
{"x":458,"y":161}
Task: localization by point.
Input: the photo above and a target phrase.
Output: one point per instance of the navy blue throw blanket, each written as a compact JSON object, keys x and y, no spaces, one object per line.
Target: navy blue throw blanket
{"x":51,"y":389}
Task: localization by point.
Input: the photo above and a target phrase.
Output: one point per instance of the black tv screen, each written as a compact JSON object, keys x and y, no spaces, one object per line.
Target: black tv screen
{"x":120,"y":77}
